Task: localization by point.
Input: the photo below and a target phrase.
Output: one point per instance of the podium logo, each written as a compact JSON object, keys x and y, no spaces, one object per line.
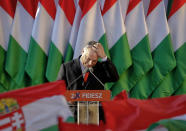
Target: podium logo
{"x":88,"y":95}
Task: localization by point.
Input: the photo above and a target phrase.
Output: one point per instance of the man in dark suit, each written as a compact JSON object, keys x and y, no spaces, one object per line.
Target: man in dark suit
{"x":104,"y":69}
{"x":74,"y":71}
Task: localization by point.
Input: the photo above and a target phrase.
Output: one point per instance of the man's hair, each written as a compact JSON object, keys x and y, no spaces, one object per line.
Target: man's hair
{"x":92,"y":43}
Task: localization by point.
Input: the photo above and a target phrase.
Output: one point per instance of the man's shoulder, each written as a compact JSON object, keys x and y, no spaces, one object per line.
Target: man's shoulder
{"x":74,"y":61}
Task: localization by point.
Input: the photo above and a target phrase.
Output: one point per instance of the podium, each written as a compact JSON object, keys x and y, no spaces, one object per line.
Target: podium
{"x":87,"y":104}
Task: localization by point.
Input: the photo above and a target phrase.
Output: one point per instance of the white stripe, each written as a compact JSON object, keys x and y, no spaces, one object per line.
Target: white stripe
{"x":157,"y":25}
{"x":124,"y":6}
{"x":44,"y":112}
{"x":114,"y":24}
{"x":91,"y":28}
{"x":4,"y":121}
{"x":22,"y":27}
{"x":75,"y":28}
{"x":178,"y":27}
{"x":181,"y":117}
{"x":42,"y":29}
{"x":5,"y":28}
{"x":136,"y":25}
{"x":61,"y":31}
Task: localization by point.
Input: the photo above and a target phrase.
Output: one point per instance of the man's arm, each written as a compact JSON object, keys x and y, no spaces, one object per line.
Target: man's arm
{"x":110,"y":71}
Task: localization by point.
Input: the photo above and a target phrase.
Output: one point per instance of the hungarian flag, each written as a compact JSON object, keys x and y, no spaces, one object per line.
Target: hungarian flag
{"x":7,"y":11}
{"x":91,"y":26}
{"x":19,"y":41}
{"x":60,"y":37}
{"x":40,"y":41}
{"x":133,"y":114}
{"x":174,"y":80}
{"x":34,"y":108}
{"x":117,"y":40}
{"x":161,"y":48}
{"x":73,"y":34}
{"x":138,"y":38}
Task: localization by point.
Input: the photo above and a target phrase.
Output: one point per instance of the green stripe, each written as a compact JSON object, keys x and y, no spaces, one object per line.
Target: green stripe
{"x":36,"y":63}
{"x":51,"y":128}
{"x":5,"y":81}
{"x":2,"y":54}
{"x":103,"y":41}
{"x":69,"y":53}
{"x":181,"y":90}
{"x":15,"y":62}
{"x":120,"y":54}
{"x":164,"y":62}
{"x":175,"y":78}
{"x":171,"y":125}
{"x":142,"y":63}
{"x":54,"y":62}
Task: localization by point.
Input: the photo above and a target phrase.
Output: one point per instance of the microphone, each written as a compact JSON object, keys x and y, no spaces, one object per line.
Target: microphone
{"x":91,"y":71}
{"x":84,"y":71}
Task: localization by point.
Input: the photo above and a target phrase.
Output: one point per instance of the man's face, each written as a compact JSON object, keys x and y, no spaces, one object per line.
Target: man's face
{"x":89,"y":57}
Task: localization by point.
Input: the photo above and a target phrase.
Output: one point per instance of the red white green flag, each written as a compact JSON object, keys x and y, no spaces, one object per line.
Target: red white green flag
{"x":134,"y":114}
{"x":91,"y":26}
{"x":175,"y":79}
{"x":138,"y":38}
{"x":34,"y":108}
{"x":40,"y":41}
{"x":117,"y":41}
{"x":19,"y":41}
{"x":161,"y":48}
{"x":7,"y":11}
{"x":60,"y":37}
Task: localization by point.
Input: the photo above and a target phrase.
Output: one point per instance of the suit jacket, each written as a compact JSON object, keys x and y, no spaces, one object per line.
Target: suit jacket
{"x":105,"y":71}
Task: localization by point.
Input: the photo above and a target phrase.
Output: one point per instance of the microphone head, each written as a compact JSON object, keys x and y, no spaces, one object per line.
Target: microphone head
{"x":91,"y":69}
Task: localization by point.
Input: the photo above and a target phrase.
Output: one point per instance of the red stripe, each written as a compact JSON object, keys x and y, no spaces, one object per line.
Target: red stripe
{"x":27,"y":95}
{"x":69,"y":9}
{"x":132,"y":5}
{"x":86,"y":5}
{"x":9,"y":6}
{"x":176,"y":5}
{"x":50,"y":7}
{"x":153,"y":4}
{"x":30,"y":6}
{"x":107,"y":5}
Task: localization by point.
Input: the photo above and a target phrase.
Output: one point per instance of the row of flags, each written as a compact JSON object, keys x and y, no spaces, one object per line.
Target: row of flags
{"x":146,"y":45}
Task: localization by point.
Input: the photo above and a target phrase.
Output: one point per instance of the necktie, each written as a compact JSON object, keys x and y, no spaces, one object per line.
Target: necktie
{"x":86,"y":76}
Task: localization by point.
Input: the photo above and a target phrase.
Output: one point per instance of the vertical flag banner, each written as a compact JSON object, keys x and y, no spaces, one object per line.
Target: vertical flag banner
{"x":19,"y":40}
{"x":7,"y":11}
{"x":117,"y":39}
{"x":176,"y":21}
{"x":161,"y":48}
{"x":134,"y":114}
{"x":138,"y":38}
{"x":91,"y":26}
{"x":34,"y":108}
{"x":40,"y":41}
{"x":60,"y":37}
{"x":73,"y":34}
